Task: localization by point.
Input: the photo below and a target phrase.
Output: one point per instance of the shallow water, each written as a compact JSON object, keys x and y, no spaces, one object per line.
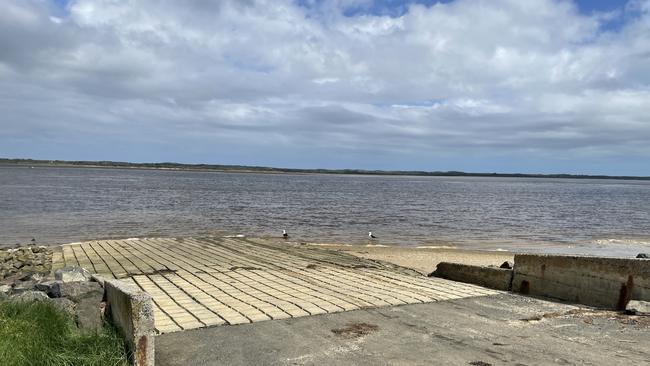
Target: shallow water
{"x":57,"y":205}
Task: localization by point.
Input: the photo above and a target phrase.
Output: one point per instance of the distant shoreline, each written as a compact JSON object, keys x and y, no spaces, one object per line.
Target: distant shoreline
{"x":272,"y":170}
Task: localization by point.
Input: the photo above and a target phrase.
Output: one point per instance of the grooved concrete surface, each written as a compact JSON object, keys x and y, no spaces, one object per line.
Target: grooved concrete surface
{"x":201,"y":282}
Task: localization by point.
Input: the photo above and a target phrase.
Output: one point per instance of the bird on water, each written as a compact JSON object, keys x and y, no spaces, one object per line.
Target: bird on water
{"x":370,"y":236}
{"x":284,"y":234}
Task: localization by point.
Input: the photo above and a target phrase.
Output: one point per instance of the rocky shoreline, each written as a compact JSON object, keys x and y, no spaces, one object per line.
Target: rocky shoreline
{"x":25,"y":260}
{"x":26,"y":275}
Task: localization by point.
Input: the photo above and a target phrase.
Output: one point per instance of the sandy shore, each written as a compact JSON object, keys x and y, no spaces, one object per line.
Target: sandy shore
{"x":423,"y":260}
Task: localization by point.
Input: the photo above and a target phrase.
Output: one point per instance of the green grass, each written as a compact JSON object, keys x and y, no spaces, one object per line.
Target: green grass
{"x":39,"y":334}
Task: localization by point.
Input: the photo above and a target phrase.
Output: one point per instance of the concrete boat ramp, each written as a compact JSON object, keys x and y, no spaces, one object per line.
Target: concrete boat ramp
{"x":205,"y":282}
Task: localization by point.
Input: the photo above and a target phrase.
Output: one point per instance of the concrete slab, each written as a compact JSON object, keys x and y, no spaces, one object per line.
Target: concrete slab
{"x":201,"y":282}
{"x":490,"y":330}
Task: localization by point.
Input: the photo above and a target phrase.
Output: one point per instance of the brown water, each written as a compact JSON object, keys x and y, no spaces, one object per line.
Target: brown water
{"x":57,"y":205}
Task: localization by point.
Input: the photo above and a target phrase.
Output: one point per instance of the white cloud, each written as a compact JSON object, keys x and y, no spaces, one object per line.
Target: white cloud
{"x":503,"y":75}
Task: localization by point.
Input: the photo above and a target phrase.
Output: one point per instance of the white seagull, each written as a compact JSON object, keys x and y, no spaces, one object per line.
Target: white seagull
{"x":284,"y":234}
{"x":370,"y":236}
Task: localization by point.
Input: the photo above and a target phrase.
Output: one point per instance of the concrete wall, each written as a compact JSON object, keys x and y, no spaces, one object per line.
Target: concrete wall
{"x":131,"y":310}
{"x":596,"y":281}
{"x":496,"y":278}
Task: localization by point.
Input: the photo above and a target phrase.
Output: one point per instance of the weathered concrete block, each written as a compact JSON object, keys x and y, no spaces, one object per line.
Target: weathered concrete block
{"x":131,"y":310}
{"x":5,"y":291}
{"x":491,"y":277}
{"x":595,"y":281}
{"x":98,"y":278}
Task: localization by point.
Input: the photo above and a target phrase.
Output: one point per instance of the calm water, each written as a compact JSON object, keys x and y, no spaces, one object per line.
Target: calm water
{"x":57,"y":205}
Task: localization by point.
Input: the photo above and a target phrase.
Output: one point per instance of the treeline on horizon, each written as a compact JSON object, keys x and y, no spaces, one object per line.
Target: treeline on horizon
{"x":263,"y":169}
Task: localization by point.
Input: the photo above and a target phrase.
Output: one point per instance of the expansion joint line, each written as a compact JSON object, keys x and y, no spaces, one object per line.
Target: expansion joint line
{"x":273,"y":281}
{"x":239,"y":281}
{"x":154,"y":282}
{"x":300,"y":272}
{"x":172,"y":282}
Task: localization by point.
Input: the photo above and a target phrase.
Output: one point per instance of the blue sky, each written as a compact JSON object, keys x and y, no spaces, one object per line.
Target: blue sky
{"x":476,"y":85}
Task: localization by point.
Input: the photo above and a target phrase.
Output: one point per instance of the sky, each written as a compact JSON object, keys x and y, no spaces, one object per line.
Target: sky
{"x":535,"y":86}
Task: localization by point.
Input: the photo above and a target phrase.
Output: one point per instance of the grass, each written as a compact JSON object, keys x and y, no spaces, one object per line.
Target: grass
{"x":39,"y":334}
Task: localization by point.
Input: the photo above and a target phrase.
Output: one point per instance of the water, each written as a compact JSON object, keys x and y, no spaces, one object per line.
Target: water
{"x":58,"y":205}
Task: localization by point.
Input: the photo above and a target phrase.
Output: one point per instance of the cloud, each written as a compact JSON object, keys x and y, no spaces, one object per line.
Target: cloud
{"x":479,"y":77}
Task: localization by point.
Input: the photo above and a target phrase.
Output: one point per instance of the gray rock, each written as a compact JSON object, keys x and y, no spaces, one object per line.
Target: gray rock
{"x":51,"y":288}
{"x":81,"y":297}
{"x":5,"y":288}
{"x":77,"y":291}
{"x":72,"y":274}
{"x":5,"y":291}
{"x":23,"y":286}
{"x":29,"y":296}
{"x":65,"y":305}
{"x":643,"y":256}
{"x":39,"y":249}
{"x":88,"y":297}
{"x":29,"y":276}
{"x":88,"y":313}
{"x":507,"y":265}
{"x":637,"y":307}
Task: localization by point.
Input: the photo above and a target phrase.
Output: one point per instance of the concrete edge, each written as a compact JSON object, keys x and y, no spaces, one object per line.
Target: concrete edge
{"x":131,"y":310}
{"x":490,"y":277}
{"x":605,"y":282}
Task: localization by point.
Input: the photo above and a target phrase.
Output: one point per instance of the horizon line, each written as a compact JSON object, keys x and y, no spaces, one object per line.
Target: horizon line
{"x":270,"y":169}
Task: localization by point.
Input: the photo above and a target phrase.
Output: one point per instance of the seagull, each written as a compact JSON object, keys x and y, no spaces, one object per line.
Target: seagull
{"x":284,"y":234}
{"x":370,"y":236}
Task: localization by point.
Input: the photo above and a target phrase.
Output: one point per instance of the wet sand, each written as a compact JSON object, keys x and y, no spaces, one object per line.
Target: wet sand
{"x":421,"y":259}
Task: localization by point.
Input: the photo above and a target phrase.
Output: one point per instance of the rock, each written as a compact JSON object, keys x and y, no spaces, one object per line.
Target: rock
{"x":29,"y":296}
{"x":77,"y":291}
{"x":31,"y":277}
{"x":64,"y":304}
{"x":85,"y":296}
{"x":643,"y":256}
{"x":18,"y":264}
{"x":72,"y":274}
{"x":5,"y":291}
{"x":23,"y":286}
{"x":26,"y":251}
{"x":88,"y":297}
{"x":88,"y":313}
{"x":637,"y":307}
{"x":51,"y":288}
{"x":39,"y":249}
{"x":507,"y":265}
